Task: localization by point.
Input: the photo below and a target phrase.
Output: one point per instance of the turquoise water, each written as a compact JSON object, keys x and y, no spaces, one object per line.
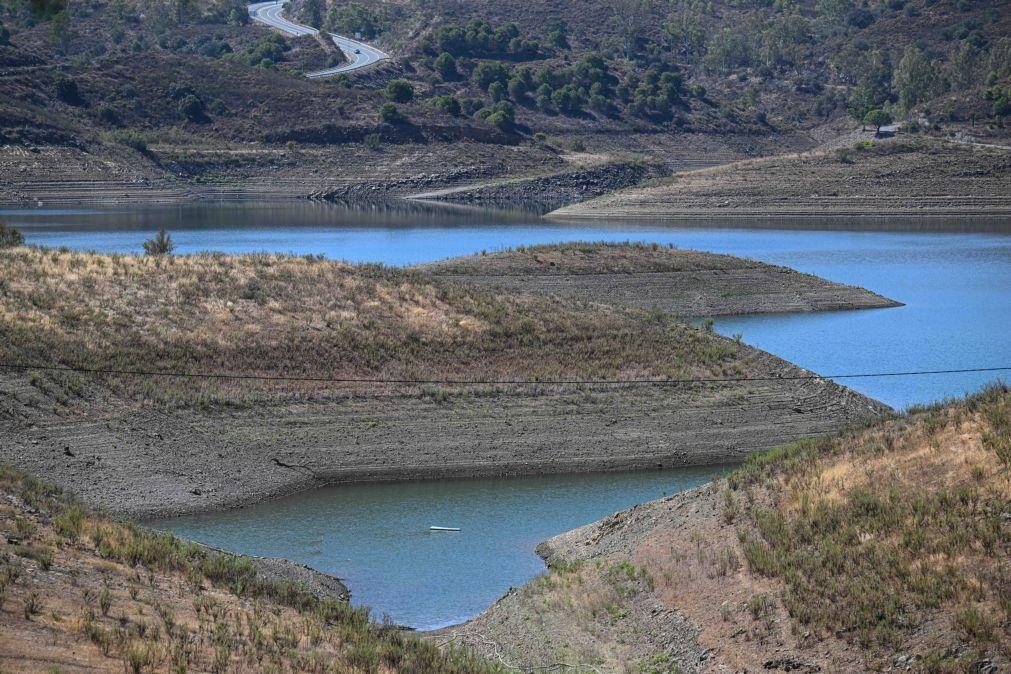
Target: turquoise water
{"x":953,"y":276}
{"x":377,"y":536}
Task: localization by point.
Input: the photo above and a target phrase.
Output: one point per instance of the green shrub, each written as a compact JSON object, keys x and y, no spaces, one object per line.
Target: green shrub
{"x":192,"y":108}
{"x":445,"y":65}
{"x":68,"y":523}
{"x":390,"y":114}
{"x":10,"y":237}
{"x":66,"y":89}
{"x":160,"y":244}
{"x":400,"y":91}
{"x":447,"y":104}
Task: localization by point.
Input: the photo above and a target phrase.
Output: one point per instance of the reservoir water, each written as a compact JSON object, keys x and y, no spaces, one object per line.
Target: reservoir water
{"x":376,"y":536}
{"x":954,"y":278}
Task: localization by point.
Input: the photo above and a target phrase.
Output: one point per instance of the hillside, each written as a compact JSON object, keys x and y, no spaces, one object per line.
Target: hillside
{"x":109,"y":101}
{"x":683,"y":282}
{"x":901,"y":177}
{"x":880,"y":549}
{"x":81,"y":592}
{"x":398,"y":375}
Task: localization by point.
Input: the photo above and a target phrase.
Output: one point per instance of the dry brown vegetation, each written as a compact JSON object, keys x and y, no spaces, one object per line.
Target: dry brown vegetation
{"x":80,"y":592}
{"x":308,"y":317}
{"x":584,"y":257}
{"x":878,"y":548}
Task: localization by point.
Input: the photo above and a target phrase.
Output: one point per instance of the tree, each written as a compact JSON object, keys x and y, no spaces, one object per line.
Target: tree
{"x":192,"y":108}
{"x":1002,"y":105}
{"x":312,"y":12}
{"x":447,"y":104}
{"x":60,"y":28}
{"x":558,"y":32}
{"x":518,"y":88}
{"x":632,"y":17}
{"x":353,"y":19}
{"x":501,"y":115}
{"x":729,"y":50}
{"x":445,"y":65}
{"x":965,"y":62}
{"x":487,"y":72}
{"x":400,"y":91}
{"x":877,"y":118}
{"x":66,"y":89}
{"x":5,"y":35}
{"x":684,"y":31}
{"x":161,"y":244}
{"x":872,"y":90}
{"x":916,"y":78}
{"x":497,"y":91}
{"x":390,"y":114}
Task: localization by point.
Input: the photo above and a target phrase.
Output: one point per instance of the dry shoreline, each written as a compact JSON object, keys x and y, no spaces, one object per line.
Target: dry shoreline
{"x":118,"y":449}
{"x":148,"y":464}
{"x":912,"y":177}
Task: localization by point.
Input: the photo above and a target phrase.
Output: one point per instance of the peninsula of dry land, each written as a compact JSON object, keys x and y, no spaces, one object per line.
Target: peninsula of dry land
{"x":919,"y":178}
{"x":682,"y":282}
{"x":360,"y":373}
{"x":883,"y":549}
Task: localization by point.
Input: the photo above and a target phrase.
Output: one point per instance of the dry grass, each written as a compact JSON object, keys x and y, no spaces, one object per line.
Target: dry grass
{"x":583,"y":257}
{"x":82,"y":591}
{"x":896,"y":538}
{"x":275,"y":315}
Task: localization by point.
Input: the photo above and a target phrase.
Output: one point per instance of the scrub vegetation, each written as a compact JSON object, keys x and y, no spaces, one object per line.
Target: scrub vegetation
{"x":881,"y":547}
{"x":877,"y":536}
{"x":78,"y":587}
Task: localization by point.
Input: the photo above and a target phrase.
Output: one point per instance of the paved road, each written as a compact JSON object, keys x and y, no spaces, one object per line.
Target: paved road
{"x":359,"y":54}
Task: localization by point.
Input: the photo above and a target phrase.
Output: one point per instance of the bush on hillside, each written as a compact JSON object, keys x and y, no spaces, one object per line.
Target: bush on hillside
{"x":161,"y":244}
{"x":66,"y":89}
{"x":400,"y":91}
{"x":10,"y":237}
{"x":390,"y":114}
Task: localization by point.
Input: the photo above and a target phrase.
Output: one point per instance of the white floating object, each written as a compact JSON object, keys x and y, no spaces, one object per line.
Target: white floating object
{"x":443,"y":528}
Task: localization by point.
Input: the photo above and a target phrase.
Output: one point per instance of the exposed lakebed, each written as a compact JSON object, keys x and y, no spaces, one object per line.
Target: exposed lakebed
{"x":955,"y":285}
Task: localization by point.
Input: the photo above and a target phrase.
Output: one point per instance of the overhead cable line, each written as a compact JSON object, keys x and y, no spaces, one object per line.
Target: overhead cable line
{"x":491,"y":382}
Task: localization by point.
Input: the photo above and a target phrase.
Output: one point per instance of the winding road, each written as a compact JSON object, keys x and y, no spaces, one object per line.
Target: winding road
{"x":359,"y":54}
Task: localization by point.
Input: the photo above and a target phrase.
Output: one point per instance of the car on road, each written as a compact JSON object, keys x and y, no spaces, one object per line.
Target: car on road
{"x":358,"y":51}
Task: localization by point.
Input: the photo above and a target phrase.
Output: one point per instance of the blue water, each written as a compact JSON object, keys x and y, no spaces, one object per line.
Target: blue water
{"x":954,"y":278}
{"x":377,"y":536}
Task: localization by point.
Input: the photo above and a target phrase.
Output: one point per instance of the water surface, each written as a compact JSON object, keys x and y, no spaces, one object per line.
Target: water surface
{"x":377,"y":536}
